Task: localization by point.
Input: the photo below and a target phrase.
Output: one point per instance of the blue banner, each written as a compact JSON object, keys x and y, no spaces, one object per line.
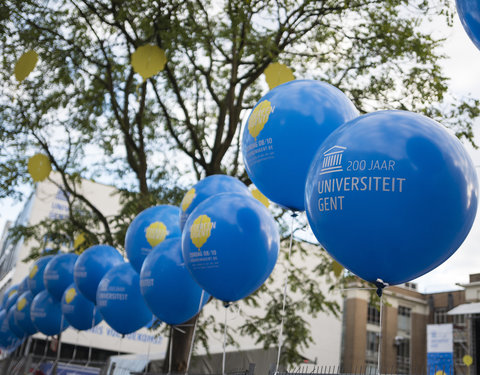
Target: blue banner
{"x":440,"y":363}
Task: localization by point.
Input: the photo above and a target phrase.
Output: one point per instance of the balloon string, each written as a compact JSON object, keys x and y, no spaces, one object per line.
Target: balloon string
{"x":380,"y":335}
{"x":287,"y":274}
{"x":170,"y":351}
{"x":194,"y":332}
{"x":90,"y":340}
{"x":225,"y":339}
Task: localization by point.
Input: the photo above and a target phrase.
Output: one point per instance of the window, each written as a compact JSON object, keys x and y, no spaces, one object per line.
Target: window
{"x":373,"y":314}
{"x":404,"y":318}
{"x":372,"y":345}
{"x":440,"y":315}
{"x":403,"y":355}
{"x":459,"y":320}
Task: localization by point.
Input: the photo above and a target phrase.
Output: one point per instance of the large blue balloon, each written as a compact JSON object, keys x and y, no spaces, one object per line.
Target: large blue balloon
{"x":230,"y":245}
{"x":209,"y":186}
{"x":12,"y":289}
{"x":120,"y":301}
{"x":22,"y":313}
{"x":78,"y":310}
{"x":35,"y":277}
{"x":92,"y":265}
{"x":14,"y":327}
{"x":7,"y":338}
{"x":46,"y":314}
{"x":149,"y":228}
{"x":283,"y":133}
{"x":58,"y":274}
{"x":391,"y":195}
{"x":469,"y":13}
{"x":167,"y":286}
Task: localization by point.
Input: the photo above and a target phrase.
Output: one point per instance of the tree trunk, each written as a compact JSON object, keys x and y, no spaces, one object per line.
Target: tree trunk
{"x":180,"y":346}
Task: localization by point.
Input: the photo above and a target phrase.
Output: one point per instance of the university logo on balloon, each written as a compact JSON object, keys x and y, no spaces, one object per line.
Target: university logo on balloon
{"x":21,"y":304}
{"x":33,"y":271}
{"x":156,"y":233}
{"x":187,"y":199}
{"x":201,"y":230}
{"x":259,"y":118}
{"x":70,"y":295}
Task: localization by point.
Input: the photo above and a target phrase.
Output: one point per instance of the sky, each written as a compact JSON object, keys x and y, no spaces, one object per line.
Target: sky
{"x":463,"y":67}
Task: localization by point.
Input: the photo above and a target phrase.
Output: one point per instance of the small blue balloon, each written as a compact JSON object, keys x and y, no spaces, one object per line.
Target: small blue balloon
{"x":14,"y":327}
{"x":92,"y":265}
{"x":12,"y":289}
{"x":79,"y":311}
{"x":46,"y":314}
{"x":7,"y":338}
{"x":167,"y":286}
{"x":282,"y":135}
{"x":11,"y":300}
{"x":23,"y":286}
{"x":149,"y":228}
{"x":206,"y":188}
{"x":35,"y":277}
{"x":120,"y":301}
{"x":58,"y":274}
{"x":391,"y":195}
{"x":22,"y":313}
{"x":230,"y":245}
{"x":469,"y":13}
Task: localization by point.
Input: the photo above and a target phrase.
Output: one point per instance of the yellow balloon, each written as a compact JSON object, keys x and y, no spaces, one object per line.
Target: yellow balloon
{"x":148,"y":60}
{"x":78,"y":242}
{"x":39,"y":167}
{"x":257,"y":194}
{"x":276,"y":74}
{"x":337,"y":268}
{"x":25,"y":64}
{"x":468,"y":360}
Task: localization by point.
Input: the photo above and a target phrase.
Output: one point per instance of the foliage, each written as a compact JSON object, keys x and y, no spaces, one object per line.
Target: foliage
{"x":95,"y":118}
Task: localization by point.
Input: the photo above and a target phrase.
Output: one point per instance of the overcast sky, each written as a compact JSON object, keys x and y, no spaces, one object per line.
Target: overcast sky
{"x":464,"y":69}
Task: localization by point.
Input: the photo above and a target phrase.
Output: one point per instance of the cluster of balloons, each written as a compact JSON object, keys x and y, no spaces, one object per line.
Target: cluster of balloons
{"x":390,"y":195}
{"x":227,"y":248}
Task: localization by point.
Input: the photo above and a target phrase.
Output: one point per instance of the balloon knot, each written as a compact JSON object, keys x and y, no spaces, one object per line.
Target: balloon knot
{"x":294,"y":214}
{"x":380,"y":286}
{"x":226,"y":304}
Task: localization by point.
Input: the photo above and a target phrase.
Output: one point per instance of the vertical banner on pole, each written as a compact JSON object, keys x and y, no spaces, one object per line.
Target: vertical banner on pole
{"x":440,"y":349}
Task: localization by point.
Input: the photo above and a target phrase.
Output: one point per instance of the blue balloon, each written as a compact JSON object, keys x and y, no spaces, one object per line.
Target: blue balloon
{"x":79,"y":311}
{"x":230,"y":245}
{"x":11,"y":300}
{"x":58,"y":274}
{"x":35,"y":277}
{"x":167,"y":286}
{"x":149,"y":228}
{"x":120,"y":301}
{"x":14,"y":327}
{"x":46,"y":314}
{"x":92,"y":265}
{"x":282,"y":136}
{"x":22,"y":313}
{"x":391,"y":195}
{"x":209,"y":186}
{"x":12,"y":289}
{"x":469,"y":13}
{"x":7,"y":338}
{"x":23,"y":286}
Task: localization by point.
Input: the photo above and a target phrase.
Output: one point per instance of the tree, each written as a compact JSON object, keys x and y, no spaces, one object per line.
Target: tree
{"x":86,"y":108}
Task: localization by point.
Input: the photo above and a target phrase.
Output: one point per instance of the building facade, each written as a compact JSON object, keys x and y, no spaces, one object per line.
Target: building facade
{"x":400,"y":334}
